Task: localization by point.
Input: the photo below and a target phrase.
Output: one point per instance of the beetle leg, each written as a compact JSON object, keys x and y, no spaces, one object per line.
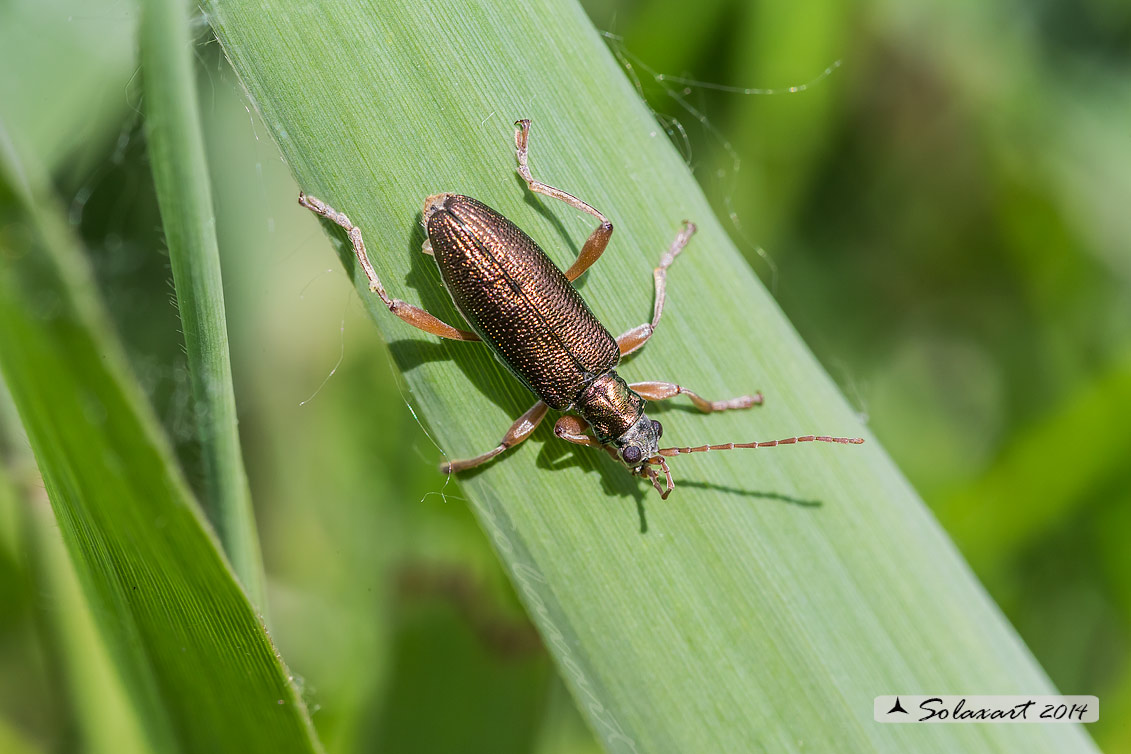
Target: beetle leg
{"x":660,"y":391}
{"x":598,"y":239}
{"x":573,"y":428}
{"x":523,"y":427}
{"x":413,"y":315}
{"x":634,"y":339}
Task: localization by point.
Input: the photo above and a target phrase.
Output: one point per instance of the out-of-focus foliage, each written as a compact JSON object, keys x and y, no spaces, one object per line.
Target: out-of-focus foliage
{"x":960,"y":180}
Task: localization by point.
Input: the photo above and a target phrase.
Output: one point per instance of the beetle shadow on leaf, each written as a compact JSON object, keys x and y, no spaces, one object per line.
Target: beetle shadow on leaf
{"x":800,"y":502}
{"x":557,"y":454}
{"x":616,"y":481}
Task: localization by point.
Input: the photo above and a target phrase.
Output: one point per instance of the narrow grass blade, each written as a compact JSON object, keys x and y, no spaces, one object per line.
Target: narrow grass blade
{"x":776,"y":593}
{"x":192,"y":651}
{"x":108,"y":722}
{"x":95,"y":704}
{"x":176,"y":151}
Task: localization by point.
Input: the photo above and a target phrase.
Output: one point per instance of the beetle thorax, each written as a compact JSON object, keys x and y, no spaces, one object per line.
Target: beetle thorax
{"x":610,"y":406}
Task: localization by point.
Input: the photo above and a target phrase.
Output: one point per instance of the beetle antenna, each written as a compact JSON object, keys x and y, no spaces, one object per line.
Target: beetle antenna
{"x":669,"y":452}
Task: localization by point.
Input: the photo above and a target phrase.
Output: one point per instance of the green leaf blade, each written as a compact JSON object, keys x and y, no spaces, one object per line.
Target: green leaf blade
{"x":195,"y":657}
{"x":176,"y":149}
{"x":778,"y":591}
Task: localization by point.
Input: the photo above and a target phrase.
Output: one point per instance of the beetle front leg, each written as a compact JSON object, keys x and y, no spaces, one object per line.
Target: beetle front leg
{"x":414,"y":315}
{"x":523,"y":427}
{"x":598,"y":239}
{"x":660,"y":391}
{"x":573,"y":428}
{"x":634,"y":339}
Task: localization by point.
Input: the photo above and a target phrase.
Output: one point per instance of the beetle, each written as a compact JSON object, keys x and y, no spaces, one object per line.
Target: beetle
{"x":536,"y":323}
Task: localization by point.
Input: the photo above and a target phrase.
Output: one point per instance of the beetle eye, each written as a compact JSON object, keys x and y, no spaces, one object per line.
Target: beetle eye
{"x":631,"y":454}
{"x":658,"y":429}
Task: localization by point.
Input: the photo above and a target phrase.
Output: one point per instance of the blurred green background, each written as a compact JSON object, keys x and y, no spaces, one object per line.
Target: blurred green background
{"x":944,"y":217}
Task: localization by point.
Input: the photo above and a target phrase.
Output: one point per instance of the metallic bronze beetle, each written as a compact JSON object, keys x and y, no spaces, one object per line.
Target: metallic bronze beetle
{"x":528,"y":312}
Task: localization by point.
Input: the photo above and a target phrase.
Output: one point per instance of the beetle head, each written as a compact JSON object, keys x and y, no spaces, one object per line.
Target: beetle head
{"x":640,"y":443}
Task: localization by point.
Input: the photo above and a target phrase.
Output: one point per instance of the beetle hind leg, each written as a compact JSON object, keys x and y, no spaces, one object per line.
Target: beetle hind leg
{"x":598,"y":239}
{"x":414,"y":315}
{"x":523,"y":427}
{"x":634,"y":339}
